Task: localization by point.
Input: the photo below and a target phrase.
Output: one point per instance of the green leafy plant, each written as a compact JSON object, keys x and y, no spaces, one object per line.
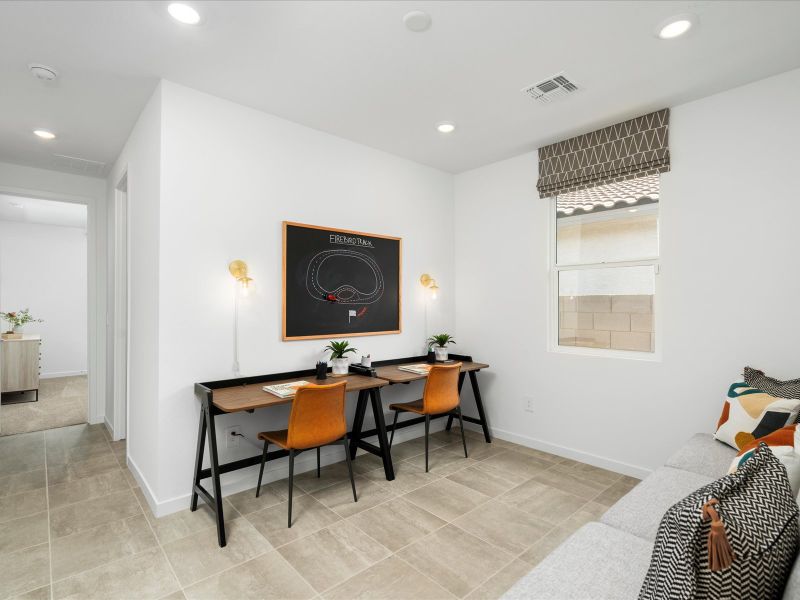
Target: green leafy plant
{"x":339,"y":349}
{"x":19,"y":318}
{"x":441,"y":340}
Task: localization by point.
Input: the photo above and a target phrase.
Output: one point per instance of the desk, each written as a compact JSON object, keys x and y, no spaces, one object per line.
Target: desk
{"x":245,"y":394}
{"x":388,"y":370}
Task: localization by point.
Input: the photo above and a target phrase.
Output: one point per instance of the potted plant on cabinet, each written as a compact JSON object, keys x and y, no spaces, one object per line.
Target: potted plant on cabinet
{"x":17,"y":320}
{"x":439,"y":344}
{"x":338,"y":351}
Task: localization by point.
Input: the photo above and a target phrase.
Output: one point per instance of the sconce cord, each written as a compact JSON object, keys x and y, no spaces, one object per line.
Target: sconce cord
{"x":236,"y":333}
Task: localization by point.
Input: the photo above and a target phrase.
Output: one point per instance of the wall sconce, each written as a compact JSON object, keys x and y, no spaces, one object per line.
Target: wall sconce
{"x":238,"y":269}
{"x":430,"y":283}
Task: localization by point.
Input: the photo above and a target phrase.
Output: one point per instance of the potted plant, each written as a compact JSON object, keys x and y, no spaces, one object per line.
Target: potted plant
{"x":439,"y":344}
{"x":17,"y":319}
{"x":339,"y":361}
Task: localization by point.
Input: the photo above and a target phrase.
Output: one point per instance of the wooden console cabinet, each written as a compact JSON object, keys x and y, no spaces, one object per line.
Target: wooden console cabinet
{"x":19,"y":365}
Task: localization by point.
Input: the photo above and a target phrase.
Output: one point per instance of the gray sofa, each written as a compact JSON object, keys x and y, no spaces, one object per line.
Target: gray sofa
{"x":609,"y":559}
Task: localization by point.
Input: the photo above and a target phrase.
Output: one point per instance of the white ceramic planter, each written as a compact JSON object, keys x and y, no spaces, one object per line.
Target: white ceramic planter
{"x":340,"y":366}
{"x":440,"y":353}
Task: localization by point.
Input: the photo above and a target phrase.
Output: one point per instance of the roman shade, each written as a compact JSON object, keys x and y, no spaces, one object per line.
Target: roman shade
{"x":630,"y":149}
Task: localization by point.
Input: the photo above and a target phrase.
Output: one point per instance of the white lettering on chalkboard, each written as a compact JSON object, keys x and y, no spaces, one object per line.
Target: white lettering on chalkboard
{"x":347,"y":240}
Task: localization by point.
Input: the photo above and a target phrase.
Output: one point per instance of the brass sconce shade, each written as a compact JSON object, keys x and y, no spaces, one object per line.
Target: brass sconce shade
{"x":238,"y":269}
{"x":429,"y":282}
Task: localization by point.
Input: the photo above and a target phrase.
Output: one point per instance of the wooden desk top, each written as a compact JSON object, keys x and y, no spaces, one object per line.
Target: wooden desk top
{"x":249,"y":397}
{"x":394,"y":375}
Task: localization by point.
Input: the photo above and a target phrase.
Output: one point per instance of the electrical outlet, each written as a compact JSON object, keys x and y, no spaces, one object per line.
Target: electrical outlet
{"x":232,"y":436}
{"x":528,"y":404}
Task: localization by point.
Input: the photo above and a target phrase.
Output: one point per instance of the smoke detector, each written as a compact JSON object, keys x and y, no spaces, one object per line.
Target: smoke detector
{"x":43,"y":72}
{"x":550,"y":89}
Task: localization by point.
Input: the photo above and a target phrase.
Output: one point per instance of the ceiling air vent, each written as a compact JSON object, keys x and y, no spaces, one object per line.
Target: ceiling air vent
{"x":84,"y":166}
{"x":551,"y":89}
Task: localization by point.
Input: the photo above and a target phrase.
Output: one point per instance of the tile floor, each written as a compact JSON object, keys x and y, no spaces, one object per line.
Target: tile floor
{"x":62,"y":401}
{"x":74,"y":524}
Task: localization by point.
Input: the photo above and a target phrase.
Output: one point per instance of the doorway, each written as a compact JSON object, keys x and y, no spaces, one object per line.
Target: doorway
{"x":117,"y":367}
{"x":44,"y":306}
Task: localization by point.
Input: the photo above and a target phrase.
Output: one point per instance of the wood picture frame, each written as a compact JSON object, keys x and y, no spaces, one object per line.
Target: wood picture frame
{"x":310,"y":310}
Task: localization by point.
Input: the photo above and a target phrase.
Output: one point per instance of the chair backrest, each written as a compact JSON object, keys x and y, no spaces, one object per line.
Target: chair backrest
{"x":317,"y":416}
{"x":441,"y":389}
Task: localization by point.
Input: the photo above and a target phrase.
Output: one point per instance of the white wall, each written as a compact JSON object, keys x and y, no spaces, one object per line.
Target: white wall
{"x":229,"y":176}
{"x":729,"y":252}
{"x":43,"y":267}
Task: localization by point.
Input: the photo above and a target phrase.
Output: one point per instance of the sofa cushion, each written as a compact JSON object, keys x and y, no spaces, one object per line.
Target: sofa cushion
{"x":704,"y":455}
{"x":596,"y":562}
{"x":774,"y":387}
{"x":750,"y":413}
{"x":792,"y":589}
{"x":641,"y":510}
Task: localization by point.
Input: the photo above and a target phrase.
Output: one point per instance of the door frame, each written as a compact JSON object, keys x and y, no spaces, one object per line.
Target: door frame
{"x":121,"y":325}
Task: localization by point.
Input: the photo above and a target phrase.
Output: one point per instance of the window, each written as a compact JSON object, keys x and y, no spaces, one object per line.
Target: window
{"x":604,"y":267}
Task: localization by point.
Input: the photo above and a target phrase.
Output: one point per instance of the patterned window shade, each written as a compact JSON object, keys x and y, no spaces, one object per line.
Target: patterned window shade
{"x":623,"y":151}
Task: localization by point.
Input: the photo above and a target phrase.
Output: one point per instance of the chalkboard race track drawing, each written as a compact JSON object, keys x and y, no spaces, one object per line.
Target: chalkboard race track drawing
{"x":339,"y":283}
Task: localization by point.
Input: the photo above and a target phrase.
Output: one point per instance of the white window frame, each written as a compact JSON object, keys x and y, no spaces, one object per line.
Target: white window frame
{"x":553,"y":308}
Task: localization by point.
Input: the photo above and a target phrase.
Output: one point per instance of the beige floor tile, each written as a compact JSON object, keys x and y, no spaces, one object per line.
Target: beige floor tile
{"x":23,"y":532}
{"x":24,"y":570}
{"x":339,"y":497}
{"x":333,"y":554}
{"x":198,"y":556}
{"x":64,"y":455}
{"x":329,"y":475}
{"x":397,"y":523}
{"x":130,"y":478}
{"x":82,"y":469}
{"x":414,"y":447}
{"x":178,"y":595}
{"x":70,"y":492}
{"x":441,"y":461}
{"x":60,"y":404}
{"x":446,"y":499}
{"x":42,"y":593}
{"x":458,"y":561}
{"x":612,"y":494}
{"x":390,"y":579}
{"x":22,"y":482}
{"x":366,"y":462}
{"x":544,"y":546}
{"x":88,"y":514}
{"x":308,"y":516}
{"x":22,"y":505}
{"x":477,"y":449}
{"x":77,"y":435}
{"x":500,"y":583}
{"x":271,"y":494}
{"x":23,"y":442}
{"x":601,"y":477}
{"x":94,"y":547}
{"x":487,"y":480}
{"x":547,"y":503}
{"x":407,"y":477}
{"x":570,"y":483}
{"x":517,"y":464}
{"x":15,"y":463}
{"x":266,"y":577}
{"x":503,"y":526}
{"x":147,"y":573}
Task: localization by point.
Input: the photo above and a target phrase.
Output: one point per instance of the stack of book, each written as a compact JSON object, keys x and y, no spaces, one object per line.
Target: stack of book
{"x":284,"y":390}
{"x":417,"y":369}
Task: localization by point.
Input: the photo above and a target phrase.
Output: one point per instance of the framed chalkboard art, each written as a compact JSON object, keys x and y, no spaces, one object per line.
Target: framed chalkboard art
{"x":339,"y":283}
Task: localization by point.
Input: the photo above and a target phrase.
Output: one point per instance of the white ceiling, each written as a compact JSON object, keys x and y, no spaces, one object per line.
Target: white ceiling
{"x":353,"y":69}
{"x":42,"y":212}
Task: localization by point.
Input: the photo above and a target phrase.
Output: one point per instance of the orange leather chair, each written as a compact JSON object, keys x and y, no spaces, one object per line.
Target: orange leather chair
{"x":440,"y":397}
{"x":317,"y":419}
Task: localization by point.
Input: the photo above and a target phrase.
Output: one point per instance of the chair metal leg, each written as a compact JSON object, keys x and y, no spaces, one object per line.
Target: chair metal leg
{"x":394,"y":424}
{"x":461,"y":424}
{"x":291,"y":483}
{"x":317,"y":461}
{"x":350,"y":468}
{"x":427,"y":427}
{"x":261,"y":472}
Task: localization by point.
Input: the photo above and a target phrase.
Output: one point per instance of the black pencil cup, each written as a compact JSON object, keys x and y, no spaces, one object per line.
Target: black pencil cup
{"x":322,"y":370}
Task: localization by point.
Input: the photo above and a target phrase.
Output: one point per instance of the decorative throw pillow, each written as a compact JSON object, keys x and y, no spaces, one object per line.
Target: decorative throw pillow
{"x":751,"y":413}
{"x":784,"y":442}
{"x":774,"y":387}
{"x":733,"y":538}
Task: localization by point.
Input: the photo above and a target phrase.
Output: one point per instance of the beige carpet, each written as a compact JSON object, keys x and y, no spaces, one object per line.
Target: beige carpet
{"x":62,"y":401}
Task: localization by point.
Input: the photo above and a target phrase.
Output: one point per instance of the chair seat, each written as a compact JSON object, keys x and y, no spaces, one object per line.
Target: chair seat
{"x":416,"y":407}
{"x":279,"y":438}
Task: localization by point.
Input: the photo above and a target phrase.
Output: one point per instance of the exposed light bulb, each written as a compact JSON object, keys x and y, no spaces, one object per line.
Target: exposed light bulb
{"x":183,"y":13}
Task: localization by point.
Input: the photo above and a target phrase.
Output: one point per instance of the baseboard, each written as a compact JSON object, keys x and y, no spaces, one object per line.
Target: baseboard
{"x":245,"y":479}
{"x":579,"y":455}
{"x":143,"y":485}
{"x":109,"y":427}
{"x":56,"y":374}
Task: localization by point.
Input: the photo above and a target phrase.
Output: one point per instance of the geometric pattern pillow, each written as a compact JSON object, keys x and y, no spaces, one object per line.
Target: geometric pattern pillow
{"x":751,"y":413}
{"x":784,"y":442}
{"x":774,"y":387}
{"x":735,"y":538}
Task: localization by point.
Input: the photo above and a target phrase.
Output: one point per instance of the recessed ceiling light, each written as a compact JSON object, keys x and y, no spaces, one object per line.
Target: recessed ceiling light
{"x":43,"y":72}
{"x":445,"y":127}
{"x":674,"y":27}
{"x":44,"y":134}
{"x":183,"y":13}
{"x":417,"y":21}
{"x":633,"y":209}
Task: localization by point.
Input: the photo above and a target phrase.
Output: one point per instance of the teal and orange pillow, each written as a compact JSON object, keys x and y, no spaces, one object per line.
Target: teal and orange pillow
{"x":750,"y":413}
{"x":784,"y":444}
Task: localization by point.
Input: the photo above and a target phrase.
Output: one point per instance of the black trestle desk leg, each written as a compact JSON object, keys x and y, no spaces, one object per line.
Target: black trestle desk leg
{"x":460,"y":385}
{"x":214,"y":459}
{"x":358,"y":423}
{"x":198,"y":461}
{"x":476,"y":391}
{"x":383,"y":439}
